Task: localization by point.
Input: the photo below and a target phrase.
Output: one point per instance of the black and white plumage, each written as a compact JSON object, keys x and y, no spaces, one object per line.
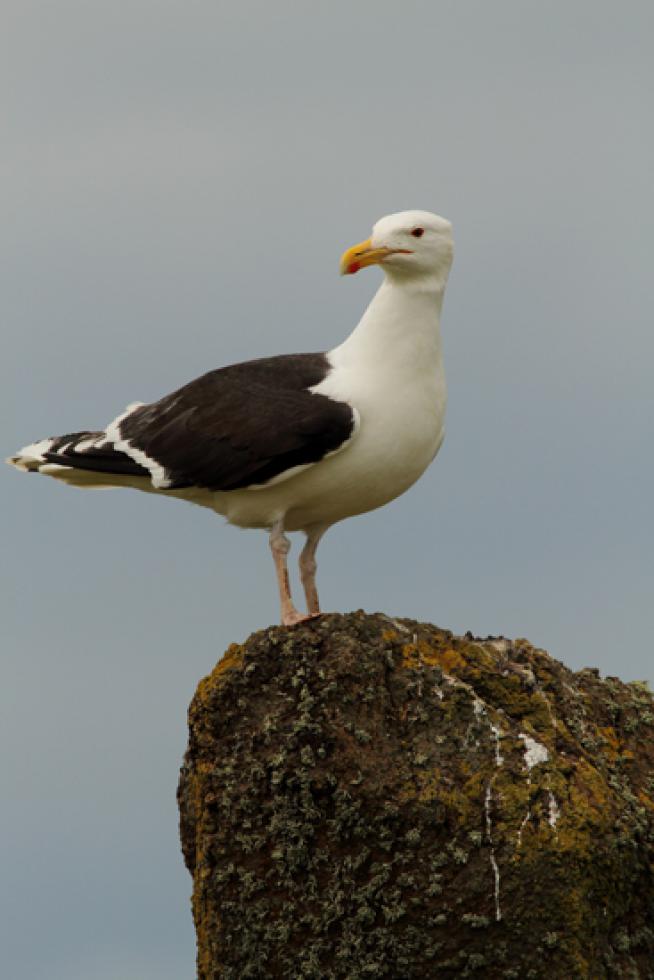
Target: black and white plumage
{"x":239,"y":426}
{"x":299,"y":441}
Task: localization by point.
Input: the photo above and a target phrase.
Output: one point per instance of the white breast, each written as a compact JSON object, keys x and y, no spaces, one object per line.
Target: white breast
{"x":390,"y":371}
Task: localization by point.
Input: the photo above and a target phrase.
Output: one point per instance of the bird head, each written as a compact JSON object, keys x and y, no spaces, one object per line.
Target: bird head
{"x":409,"y":244}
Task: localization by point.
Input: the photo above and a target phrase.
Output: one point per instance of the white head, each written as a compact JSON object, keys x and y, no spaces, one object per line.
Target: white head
{"x":409,"y":245}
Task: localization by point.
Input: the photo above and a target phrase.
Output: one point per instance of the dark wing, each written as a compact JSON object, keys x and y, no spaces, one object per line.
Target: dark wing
{"x":239,"y":426}
{"x":91,"y":451}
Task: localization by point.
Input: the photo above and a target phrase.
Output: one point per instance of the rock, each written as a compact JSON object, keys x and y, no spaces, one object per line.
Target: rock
{"x":366,"y":797}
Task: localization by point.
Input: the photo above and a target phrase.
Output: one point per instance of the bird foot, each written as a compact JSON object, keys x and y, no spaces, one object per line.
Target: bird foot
{"x":293,"y":617}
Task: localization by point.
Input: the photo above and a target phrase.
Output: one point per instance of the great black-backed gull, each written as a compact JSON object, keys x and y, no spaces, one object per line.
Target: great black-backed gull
{"x":300,"y":441}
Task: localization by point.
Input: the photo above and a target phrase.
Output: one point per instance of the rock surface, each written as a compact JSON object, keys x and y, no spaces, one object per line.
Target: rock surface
{"x":365,"y":797}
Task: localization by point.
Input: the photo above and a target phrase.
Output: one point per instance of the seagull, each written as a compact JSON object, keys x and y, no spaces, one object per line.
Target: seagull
{"x":295,"y":442}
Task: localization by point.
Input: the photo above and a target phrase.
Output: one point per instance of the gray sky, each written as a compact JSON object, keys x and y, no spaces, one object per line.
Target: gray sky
{"x":177,"y":183}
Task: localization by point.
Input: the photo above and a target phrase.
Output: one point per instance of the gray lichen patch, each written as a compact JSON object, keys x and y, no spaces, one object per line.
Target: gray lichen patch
{"x":362,"y":796}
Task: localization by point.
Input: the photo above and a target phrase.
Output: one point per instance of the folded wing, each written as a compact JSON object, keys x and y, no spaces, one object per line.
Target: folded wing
{"x":241,"y":426}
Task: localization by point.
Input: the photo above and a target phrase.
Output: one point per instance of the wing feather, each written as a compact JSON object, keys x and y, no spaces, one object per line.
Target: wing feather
{"x":239,"y":426}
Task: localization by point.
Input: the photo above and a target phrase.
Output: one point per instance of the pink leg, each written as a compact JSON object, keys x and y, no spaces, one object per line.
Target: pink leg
{"x":308,"y":568}
{"x":280,"y":545}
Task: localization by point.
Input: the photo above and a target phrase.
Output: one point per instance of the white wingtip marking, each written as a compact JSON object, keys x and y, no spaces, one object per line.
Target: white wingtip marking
{"x":35,"y":450}
{"x":158,"y":474}
{"x":85,"y":444}
{"x":29,"y":458}
{"x":50,"y":469}
{"x":18,"y":462}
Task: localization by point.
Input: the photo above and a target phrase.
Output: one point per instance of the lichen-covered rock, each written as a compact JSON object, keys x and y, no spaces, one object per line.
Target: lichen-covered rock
{"x":365,"y":797}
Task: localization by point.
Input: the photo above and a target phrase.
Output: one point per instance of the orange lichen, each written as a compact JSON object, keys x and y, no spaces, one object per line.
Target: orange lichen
{"x":232,"y":659}
{"x":422,"y":653}
{"x":610,"y":740}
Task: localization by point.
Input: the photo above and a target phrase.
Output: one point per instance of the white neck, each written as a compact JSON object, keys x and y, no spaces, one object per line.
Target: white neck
{"x":401,"y":324}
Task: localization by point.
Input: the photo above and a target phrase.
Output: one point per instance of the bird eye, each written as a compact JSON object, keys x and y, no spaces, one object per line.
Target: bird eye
{"x":418,"y":232}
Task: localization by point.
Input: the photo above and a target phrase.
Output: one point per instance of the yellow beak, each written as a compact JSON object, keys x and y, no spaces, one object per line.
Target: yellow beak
{"x":361,"y":255}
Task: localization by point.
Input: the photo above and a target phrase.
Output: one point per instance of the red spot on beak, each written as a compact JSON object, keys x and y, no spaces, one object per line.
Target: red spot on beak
{"x":353,"y":267}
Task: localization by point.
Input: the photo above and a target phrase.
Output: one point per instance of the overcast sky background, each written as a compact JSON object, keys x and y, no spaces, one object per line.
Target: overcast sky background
{"x":178,"y":181}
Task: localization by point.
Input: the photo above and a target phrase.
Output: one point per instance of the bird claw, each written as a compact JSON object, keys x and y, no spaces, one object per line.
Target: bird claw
{"x":294,"y":617}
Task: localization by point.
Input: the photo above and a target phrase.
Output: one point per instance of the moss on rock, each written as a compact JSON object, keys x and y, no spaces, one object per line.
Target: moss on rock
{"x":366,"y":797}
